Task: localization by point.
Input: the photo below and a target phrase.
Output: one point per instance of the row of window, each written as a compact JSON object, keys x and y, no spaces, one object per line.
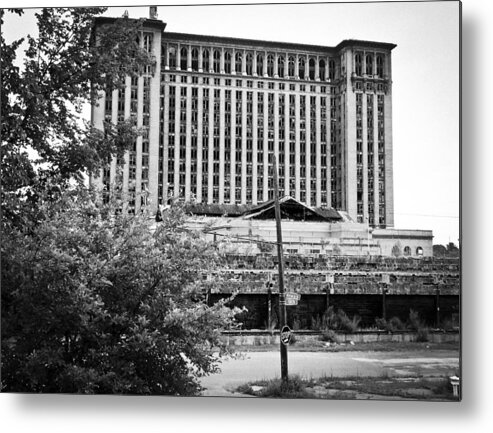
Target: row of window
{"x":216,"y":60}
{"x":369,"y":64}
{"x":234,"y":172}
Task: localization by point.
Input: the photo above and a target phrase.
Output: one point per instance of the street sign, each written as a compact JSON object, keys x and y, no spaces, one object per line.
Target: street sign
{"x":285,"y":335}
{"x":292,"y":298}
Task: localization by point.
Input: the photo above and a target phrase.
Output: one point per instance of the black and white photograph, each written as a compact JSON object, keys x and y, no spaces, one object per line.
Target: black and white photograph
{"x":234,"y":201}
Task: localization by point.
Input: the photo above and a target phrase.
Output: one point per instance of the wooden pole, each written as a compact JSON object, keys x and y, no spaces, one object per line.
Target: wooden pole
{"x":282,"y":299}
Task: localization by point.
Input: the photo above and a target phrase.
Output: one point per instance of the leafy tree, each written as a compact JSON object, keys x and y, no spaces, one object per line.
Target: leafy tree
{"x":99,"y":302}
{"x":93,"y":300}
{"x":450,"y":250}
{"x":439,"y":251}
{"x":42,"y":102}
{"x":396,"y":250}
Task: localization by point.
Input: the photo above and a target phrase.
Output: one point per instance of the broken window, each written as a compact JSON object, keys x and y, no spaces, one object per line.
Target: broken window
{"x":260,"y":64}
{"x":301,"y":68}
{"x":227,"y":62}
{"x":291,"y":67}
{"x":280,"y":67}
{"x":249,"y":64}
{"x":205,"y":60}
{"x":217,"y":61}
{"x":195,"y":59}
{"x":380,"y":66}
{"x":358,"y":64}
{"x":311,"y":69}
{"x":321,"y":69}
{"x":183,"y":58}
{"x":238,"y":62}
{"x":369,"y":64}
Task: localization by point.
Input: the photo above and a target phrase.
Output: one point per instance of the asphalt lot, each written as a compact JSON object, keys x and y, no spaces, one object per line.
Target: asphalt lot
{"x":251,"y":366}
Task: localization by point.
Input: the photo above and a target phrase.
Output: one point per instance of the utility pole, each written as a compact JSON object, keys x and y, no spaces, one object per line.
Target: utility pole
{"x":282,"y":298}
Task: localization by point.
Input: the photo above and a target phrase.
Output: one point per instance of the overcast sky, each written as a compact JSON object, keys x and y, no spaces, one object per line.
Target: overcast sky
{"x":425,"y":69}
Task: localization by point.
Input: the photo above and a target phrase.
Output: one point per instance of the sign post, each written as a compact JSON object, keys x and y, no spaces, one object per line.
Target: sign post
{"x":282,"y":299}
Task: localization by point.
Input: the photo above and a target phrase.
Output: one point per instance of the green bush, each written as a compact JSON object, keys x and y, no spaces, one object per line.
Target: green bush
{"x":338,"y":321}
{"x":395,"y":324}
{"x":416,"y":324}
{"x":329,"y":335}
{"x":292,"y":388}
{"x":422,"y":335}
{"x":346,"y":324}
{"x":381,"y":323}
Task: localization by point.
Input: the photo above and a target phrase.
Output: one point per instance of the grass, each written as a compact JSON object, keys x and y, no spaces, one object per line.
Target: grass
{"x":294,"y":387}
{"x":384,"y":346}
{"x":383,"y":387}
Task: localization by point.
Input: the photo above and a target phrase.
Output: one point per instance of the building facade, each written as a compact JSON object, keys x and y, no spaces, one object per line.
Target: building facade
{"x":216,"y":110}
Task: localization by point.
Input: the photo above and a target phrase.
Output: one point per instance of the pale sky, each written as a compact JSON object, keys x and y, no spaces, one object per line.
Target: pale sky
{"x":425,"y":69}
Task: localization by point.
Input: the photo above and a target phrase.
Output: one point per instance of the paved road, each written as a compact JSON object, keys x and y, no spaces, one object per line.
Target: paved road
{"x":252,"y":366}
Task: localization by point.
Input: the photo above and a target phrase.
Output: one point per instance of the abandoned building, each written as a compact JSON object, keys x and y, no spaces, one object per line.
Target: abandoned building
{"x":214,"y":110}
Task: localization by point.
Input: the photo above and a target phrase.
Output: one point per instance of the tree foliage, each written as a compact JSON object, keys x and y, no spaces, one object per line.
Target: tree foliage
{"x":64,"y":68}
{"x":98,"y":302}
{"x":451,"y":250}
{"x":93,"y":300}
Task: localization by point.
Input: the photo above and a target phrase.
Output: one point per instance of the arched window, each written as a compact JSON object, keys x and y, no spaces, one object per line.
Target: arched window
{"x":380,"y":66}
{"x":249,"y":64}
{"x":238,"y":62}
{"x":369,"y":64}
{"x":291,"y":67}
{"x":183,"y":58}
{"x":172,"y":56}
{"x":332,"y":69}
{"x":301,"y":68}
{"x":260,"y":65}
{"x":321,"y":69}
{"x":358,"y":64}
{"x":195,"y":59}
{"x":270,"y":65}
{"x":280,"y":67}
{"x":227,"y":62}
{"x":311,"y":69}
{"x":217,"y":61}
{"x":407,"y":251}
{"x":419,"y":251}
{"x":205,"y":60}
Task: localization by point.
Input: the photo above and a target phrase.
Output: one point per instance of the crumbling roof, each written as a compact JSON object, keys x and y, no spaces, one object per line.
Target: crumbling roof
{"x":228,"y":210}
{"x":292,"y":209}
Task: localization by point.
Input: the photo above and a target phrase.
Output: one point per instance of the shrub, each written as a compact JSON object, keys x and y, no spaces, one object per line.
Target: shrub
{"x":346,"y":324}
{"x":395,"y":324}
{"x":414,"y":322}
{"x":292,"y":388}
{"x":381,"y":323}
{"x":452,"y":324}
{"x":336,"y":321}
{"x":329,"y":335}
{"x":272,"y":324}
{"x":296,"y":324}
{"x":422,"y":335}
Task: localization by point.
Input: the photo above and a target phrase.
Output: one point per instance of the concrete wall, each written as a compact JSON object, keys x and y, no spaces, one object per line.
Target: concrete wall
{"x":303,"y":237}
{"x":246,"y":338}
